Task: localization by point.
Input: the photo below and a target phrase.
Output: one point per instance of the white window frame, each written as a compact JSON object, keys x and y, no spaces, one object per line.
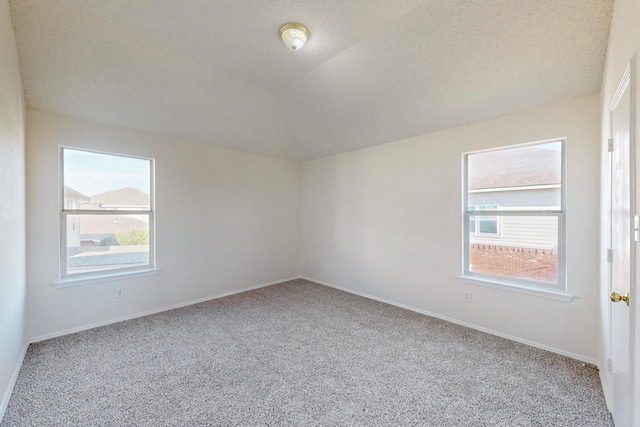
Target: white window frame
{"x":550,"y":290}
{"x":477,"y":217}
{"x":115,"y":272}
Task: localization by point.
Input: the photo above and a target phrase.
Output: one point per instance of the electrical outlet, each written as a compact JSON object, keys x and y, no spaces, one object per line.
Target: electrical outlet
{"x":467,"y":296}
{"x":119,"y":292}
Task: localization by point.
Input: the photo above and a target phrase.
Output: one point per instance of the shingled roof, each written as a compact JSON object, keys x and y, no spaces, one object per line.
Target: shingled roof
{"x":127,"y":196}
{"x":70,"y":193}
{"x":521,"y":167}
{"x":99,"y":225}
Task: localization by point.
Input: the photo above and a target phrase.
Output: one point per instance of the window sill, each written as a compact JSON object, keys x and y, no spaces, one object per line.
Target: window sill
{"x":86,"y":280}
{"x":522,"y":289}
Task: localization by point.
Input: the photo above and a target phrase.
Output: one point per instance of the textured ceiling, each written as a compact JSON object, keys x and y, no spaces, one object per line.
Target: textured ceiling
{"x":373,"y":71}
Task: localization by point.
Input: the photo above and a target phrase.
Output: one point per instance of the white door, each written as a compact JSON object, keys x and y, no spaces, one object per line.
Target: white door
{"x":622,"y":245}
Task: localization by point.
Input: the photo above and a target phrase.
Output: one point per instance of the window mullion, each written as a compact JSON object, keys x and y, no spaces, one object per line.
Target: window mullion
{"x":106,"y":212}
{"x":515,"y":213}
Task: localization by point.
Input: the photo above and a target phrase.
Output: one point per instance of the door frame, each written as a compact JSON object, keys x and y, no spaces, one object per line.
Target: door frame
{"x":634,"y":327}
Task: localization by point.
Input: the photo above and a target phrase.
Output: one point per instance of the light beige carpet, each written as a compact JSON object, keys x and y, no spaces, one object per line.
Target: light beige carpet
{"x":299,"y":354}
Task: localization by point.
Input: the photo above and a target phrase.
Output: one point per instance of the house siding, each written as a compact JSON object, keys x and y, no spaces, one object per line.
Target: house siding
{"x":521,"y":231}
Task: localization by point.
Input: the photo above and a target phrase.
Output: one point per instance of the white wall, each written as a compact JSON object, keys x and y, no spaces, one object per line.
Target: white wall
{"x":225,"y":221}
{"x":12,"y":211}
{"x":386,"y":221}
{"x":624,"y":43}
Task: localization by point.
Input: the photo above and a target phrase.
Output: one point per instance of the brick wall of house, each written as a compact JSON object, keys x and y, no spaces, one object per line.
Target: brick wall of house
{"x":526,"y":263}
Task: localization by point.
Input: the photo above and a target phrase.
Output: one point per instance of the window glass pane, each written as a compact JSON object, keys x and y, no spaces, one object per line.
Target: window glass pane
{"x":487,"y":208}
{"x":104,"y":242}
{"x":96,"y":181}
{"x":519,"y":178}
{"x":488,"y":224}
{"x":527,"y":248}
{"x":472,"y":224}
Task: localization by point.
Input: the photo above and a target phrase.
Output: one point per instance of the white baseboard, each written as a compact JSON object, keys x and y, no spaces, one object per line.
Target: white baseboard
{"x":12,"y":382}
{"x":156,"y":310}
{"x":458,"y":322}
{"x":7,"y":395}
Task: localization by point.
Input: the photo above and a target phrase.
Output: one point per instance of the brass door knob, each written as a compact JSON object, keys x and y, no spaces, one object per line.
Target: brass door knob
{"x":616,"y":297}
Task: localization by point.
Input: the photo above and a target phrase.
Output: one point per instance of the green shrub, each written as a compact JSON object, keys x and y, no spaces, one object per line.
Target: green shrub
{"x":108,"y":241}
{"x":133,"y":237}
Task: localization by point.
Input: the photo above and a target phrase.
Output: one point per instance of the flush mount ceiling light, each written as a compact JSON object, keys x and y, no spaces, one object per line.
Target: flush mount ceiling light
{"x":294,"y":35}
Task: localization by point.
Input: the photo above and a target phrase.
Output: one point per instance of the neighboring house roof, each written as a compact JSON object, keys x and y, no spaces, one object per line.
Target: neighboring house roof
{"x":520,"y":167}
{"x":73,"y":199}
{"x":122,"y":198}
{"x":70,"y":193}
{"x":95,"y":225}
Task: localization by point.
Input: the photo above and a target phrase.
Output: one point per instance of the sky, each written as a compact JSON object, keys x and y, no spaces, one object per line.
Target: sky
{"x":95,"y":173}
{"x":556,"y":146}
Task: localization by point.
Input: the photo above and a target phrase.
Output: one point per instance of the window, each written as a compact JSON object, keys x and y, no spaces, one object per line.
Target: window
{"x":518,"y":240}
{"x":483,"y":225}
{"x":106,"y":214}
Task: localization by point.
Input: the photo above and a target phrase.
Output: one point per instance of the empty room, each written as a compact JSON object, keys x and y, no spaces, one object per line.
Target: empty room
{"x":349,"y":213}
